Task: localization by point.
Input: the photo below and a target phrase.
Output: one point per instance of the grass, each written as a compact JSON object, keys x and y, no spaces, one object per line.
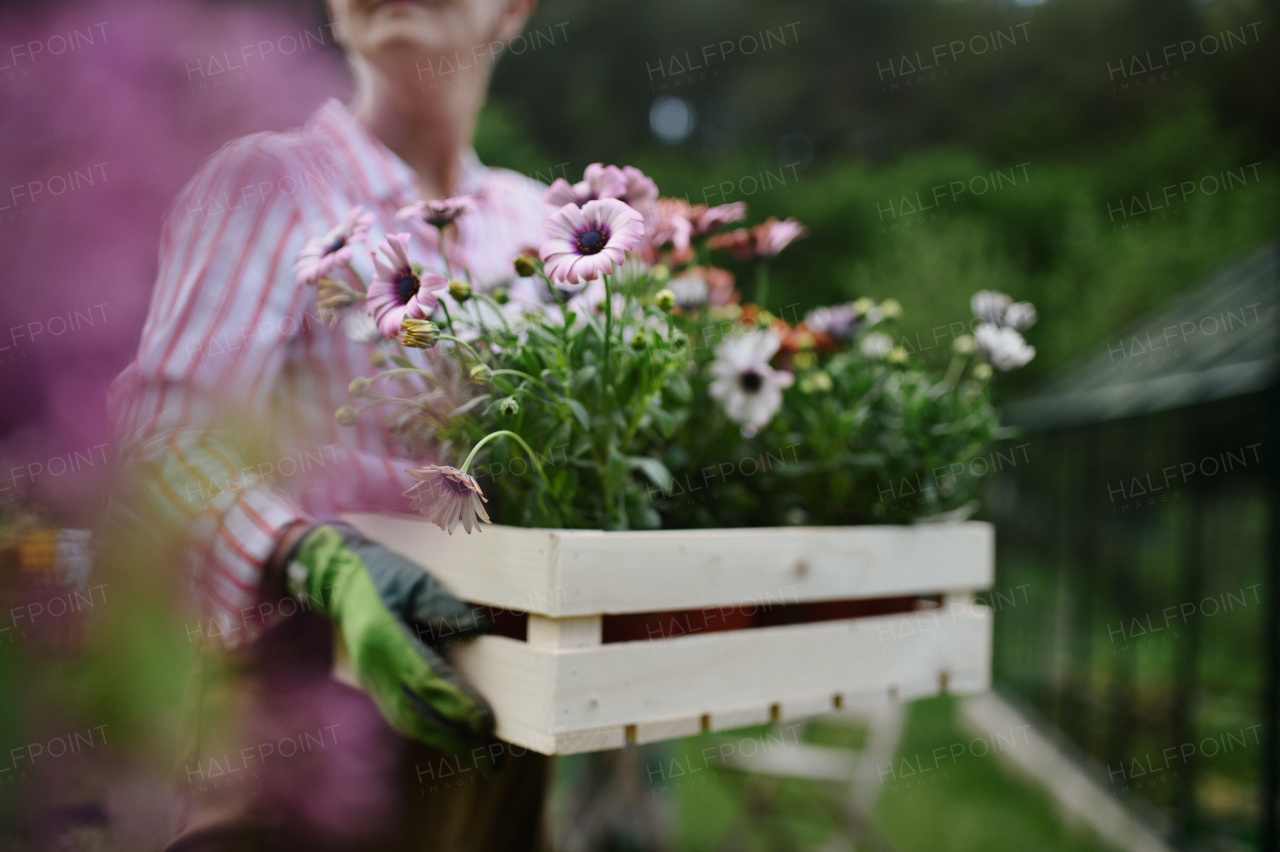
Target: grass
{"x":971,"y":804}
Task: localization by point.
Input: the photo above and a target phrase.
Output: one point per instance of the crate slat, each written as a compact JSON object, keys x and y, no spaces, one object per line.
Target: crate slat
{"x":584,"y":699}
{"x":562,"y":573}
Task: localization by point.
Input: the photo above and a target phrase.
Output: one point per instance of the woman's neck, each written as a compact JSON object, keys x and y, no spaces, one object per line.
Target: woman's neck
{"x":428,"y":126}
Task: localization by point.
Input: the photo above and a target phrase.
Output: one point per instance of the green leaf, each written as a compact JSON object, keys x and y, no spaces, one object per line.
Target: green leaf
{"x":400,"y":361}
{"x":580,"y":412}
{"x":615,"y":473}
{"x":655,"y":470}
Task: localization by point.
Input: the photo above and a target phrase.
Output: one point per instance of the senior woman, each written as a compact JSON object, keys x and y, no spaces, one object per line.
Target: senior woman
{"x":234,"y":377}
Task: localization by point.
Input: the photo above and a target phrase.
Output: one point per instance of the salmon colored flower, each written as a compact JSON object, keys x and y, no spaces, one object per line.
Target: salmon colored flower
{"x":765,"y":240}
{"x":586,"y":242}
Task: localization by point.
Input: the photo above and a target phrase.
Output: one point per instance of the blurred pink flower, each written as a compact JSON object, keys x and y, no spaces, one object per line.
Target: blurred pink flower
{"x":321,"y":254}
{"x":586,"y":242}
{"x":437,"y":213}
{"x":763,"y":241}
{"x":598,"y":181}
{"x":709,"y":219}
{"x":399,"y":291}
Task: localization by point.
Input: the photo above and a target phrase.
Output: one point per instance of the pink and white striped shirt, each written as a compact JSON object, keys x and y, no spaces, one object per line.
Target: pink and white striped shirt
{"x":228,"y":409}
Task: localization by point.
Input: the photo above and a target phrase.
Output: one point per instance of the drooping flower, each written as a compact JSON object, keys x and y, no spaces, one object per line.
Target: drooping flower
{"x":321,"y":254}
{"x":765,"y":240}
{"x":447,"y":497}
{"x":598,"y":181}
{"x":437,"y":213}
{"x":332,"y":298}
{"x":748,"y":388}
{"x":586,"y":242}
{"x":399,"y":289}
{"x":1002,"y":347}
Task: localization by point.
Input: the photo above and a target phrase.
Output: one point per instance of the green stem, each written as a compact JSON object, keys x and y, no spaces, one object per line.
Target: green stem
{"x":762,"y":284}
{"x":462,"y":343}
{"x":533,"y":457}
{"x":522,"y":374}
{"x":448,"y":319}
{"x":608,"y":329}
{"x":385,"y":373}
{"x":506,"y":325}
{"x":955,"y":369}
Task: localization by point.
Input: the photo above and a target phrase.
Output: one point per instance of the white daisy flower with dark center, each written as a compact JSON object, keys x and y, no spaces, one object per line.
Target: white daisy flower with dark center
{"x":748,"y":388}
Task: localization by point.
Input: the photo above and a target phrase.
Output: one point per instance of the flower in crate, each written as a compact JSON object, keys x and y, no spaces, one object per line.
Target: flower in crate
{"x":589,"y":241}
{"x":1002,"y":347}
{"x":321,"y":255}
{"x":437,"y":213}
{"x":704,"y":285}
{"x":447,"y":497}
{"x":876,"y":345}
{"x":640,"y":192}
{"x":764,"y":241}
{"x":400,"y":290}
{"x":708,"y":219}
{"x":748,"y":388}
{"x":598,"y":181}
{"x":839,"y":322}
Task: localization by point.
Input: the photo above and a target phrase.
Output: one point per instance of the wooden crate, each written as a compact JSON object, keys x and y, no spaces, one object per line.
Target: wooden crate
{"x":564,"y":690}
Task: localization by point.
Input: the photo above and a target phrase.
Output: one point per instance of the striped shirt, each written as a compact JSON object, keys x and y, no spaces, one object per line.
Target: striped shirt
{"x":228,"y":410}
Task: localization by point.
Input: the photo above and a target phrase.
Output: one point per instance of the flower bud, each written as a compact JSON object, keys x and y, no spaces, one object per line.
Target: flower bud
{"x":509,"y":407}
{"x":418,"y":333}
{"x":460,"y":290}
{"x":665,"y":299}
{"x":819,"y":381}
{"x":897,"y":355}
{"x":501,"y":297}
{"x":963,"y":345}
{"x":861,"y":306}
{"x":660,"y":273}
{"x":982,"y":372}
{"x":481,"y":374}
{"x":638,"y":341}
{"x":891,"y":309}
{"x":525,"y":265}
{"x":347,"y":416}
{"x":359,"y":386}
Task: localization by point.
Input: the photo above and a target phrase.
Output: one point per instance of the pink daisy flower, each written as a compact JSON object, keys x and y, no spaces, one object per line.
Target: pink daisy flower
{"x":447,"y":497}
{"x":772,"y":236}
{"x":400,"y":291}
{"x":598,"y":181}
{"x":586,"y":242}
{"x":713,"y":218}
{"x":321,"y":254}
{"x":437,"y":213}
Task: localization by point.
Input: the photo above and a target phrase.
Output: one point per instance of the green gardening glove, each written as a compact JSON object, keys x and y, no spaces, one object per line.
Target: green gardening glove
{"x":385,"y":606}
